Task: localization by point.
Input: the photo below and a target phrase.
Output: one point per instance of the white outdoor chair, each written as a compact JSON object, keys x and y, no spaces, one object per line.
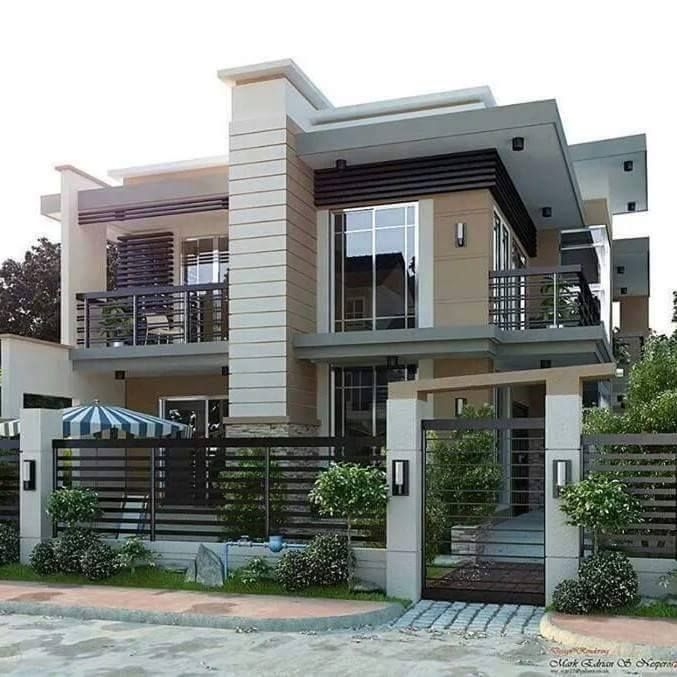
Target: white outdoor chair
{"x":158,"y":326}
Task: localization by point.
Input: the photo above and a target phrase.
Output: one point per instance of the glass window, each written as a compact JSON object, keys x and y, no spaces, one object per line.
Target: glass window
{"x":360,"y":395}
{"x":375,"y":268}
{"x":205,"y":260}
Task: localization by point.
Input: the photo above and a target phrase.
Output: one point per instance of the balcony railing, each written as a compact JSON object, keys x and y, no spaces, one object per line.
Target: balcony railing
{"x":540,"y":298}
{"x":150,"y":315}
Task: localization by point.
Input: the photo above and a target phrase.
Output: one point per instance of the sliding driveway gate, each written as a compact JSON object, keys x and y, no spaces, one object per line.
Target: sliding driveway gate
{"x":484,"y":517}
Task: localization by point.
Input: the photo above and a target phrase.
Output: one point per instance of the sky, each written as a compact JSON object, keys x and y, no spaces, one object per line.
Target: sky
{"x":104,"y":85}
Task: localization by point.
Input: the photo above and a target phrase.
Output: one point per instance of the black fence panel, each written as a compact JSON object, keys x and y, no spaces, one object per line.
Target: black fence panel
{"x":212,"y":489}
{"x":9,"y":482}
{"x":647,"y":465}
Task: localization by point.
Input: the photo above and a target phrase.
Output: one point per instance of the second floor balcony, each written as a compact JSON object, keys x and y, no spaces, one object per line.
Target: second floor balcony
{"x":542,"y":298}
{"x":142,"y":316}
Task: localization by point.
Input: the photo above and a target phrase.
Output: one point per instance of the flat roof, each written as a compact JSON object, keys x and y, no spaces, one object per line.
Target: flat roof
{"x":170,"y":167}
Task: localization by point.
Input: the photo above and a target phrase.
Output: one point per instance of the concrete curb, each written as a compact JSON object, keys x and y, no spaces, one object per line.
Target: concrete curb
{"x":378,"y":617}
{"x":551,"y":631}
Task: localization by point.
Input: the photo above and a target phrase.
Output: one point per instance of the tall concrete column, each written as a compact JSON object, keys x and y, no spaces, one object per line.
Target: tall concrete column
{"x":563,"y":427}
{"x":38,"y":428}
{"x":404,"y":538}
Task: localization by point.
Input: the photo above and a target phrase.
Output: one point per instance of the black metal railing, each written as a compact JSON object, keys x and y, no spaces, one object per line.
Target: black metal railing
{"x":647,"y":465}
{"x":211,"y":489}
{"x":137,"y":316}
{"x":539,"y":298}
{"x":9,"y":481}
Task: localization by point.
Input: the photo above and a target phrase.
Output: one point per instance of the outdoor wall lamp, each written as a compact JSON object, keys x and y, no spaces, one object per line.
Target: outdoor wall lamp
{"x":459,"y":405}
{"x":628,"y":166}
{"x":460,"y":234}
{"x":28,"y":475}
{"x":400,"y":478}
{"x":561,"y":472}
{"x":518,"y":143}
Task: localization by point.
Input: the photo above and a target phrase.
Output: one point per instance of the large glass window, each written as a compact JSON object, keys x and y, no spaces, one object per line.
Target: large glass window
{"x":360,"y":395}
{"x":205,"y":260}
{"x":375,"y":268}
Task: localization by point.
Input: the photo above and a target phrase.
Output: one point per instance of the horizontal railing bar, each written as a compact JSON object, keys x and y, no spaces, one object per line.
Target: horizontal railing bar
{"x":222,"y":443}
{"x":151,"y":291}
{"x":541,"y":271}
{"x":642,"y":439}
{"x":483,"y":424}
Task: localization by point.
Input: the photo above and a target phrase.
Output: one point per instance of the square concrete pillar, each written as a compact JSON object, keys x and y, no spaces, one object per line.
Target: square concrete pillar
{"x":404,"y":540}
{"x":38,"y":428}
{"x":563,"y":427}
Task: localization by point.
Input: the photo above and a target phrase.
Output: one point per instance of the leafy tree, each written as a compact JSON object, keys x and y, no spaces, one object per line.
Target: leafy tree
{"x":30,"y":291}
{"x":350,"y":492}
{"x":602,"y":504}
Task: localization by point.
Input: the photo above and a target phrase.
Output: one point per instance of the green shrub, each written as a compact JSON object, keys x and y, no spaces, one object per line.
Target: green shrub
{"x":293,"y":570}
{"x":43,"y":560}
{"x":98,"y":562}
{"x":601,"y":503}
{"x":257,"y":569}
{"x":134,"y":554}
{"x":71,"y":546}
{"x":73,"y":507}
{"x":328,"y":556}
{"x":9,"y":544}
{"x":609,"y":579}
{"x":571,"y":597}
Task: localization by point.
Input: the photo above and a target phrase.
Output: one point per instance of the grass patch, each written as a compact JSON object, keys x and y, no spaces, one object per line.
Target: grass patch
{"x":657,"y":609}
{"x":163,"y":579}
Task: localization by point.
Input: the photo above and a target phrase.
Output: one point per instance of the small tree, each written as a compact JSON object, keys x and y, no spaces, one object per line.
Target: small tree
{"x":73,"y":507}
{"x":602,"y":504}
{"x":350,"y":491}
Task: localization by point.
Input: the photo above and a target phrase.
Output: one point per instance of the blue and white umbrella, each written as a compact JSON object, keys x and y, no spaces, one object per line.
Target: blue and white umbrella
{"x":96,"y":418}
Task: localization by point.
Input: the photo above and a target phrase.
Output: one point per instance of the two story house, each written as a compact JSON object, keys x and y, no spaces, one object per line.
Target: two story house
{"x":280,"y":288}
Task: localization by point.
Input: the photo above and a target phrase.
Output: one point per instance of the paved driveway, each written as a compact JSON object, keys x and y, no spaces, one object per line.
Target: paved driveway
{"x":34,"y":645}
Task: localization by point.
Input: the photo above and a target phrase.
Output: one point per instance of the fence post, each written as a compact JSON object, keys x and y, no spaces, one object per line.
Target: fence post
{"x":404,"y":520}
{"x":563,"y":427}
{"x":38,"y":428}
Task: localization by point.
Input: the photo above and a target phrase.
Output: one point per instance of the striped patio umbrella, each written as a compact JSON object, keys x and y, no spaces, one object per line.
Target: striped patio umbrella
{"x":9,"y":428}
{"x":96,"y":418}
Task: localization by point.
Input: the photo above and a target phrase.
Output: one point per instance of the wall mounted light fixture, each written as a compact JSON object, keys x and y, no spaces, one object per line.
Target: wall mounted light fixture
{"x":400,"y":478}
{"x":28,"y":475}
{"x":628,"y":166}
{"x":120,"y":375}
{"x":547,"y":212}
{"x":459,"y":405}
{"x":341,"y":164}
{"x":460,"y":234}
{"x":632,"y":206}
{"x":561,"y":476}
{"x":518,"y":143}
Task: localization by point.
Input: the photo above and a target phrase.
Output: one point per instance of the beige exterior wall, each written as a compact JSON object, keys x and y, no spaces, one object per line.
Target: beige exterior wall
{"x":143,"y":394}
{"x":547,"y":249}
{"x":443,"y":403}
{"x":461,"y":274}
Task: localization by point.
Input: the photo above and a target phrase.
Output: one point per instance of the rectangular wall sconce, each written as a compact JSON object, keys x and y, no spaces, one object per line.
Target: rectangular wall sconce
{"x":28,"y":475}
{"x":561,"y":476}
{"x":400,"y":483}
{"x":460,"y":234}
{"x":459,"y":405}
{"x":120,"y":375}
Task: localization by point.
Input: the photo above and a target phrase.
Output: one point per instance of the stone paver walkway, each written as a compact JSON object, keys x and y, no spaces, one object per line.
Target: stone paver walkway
{"x":490,"y":619}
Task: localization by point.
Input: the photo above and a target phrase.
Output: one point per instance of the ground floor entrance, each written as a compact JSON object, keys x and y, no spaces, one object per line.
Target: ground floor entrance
{"x":484,"y":511}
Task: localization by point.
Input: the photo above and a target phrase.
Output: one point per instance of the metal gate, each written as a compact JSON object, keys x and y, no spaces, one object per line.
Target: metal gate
{"x":484,"y":512}
{"x":9,"y":481}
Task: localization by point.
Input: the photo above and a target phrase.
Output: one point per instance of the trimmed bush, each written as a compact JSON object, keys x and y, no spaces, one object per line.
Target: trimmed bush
{"x":571,"y":597}
{"x":73,"y":507}
{"x":134,"y":554}
{"x":71,"y":546}
{"x":257,"y":569}
{"x":293,"y":571}
{"x":43,"y":559}
{"x":98,"y":562}
{"x":9,"y":544}
{"x":328,"y":559}
{"x":609,"y":580}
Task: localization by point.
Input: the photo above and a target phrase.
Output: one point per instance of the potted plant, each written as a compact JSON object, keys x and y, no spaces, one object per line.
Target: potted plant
{"x":115,"y":323}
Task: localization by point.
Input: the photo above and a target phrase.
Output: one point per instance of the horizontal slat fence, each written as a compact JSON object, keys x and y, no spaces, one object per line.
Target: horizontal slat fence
{"x":9,"y":482}
{"x":647,"y":464}
{"x":211,"y":489}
